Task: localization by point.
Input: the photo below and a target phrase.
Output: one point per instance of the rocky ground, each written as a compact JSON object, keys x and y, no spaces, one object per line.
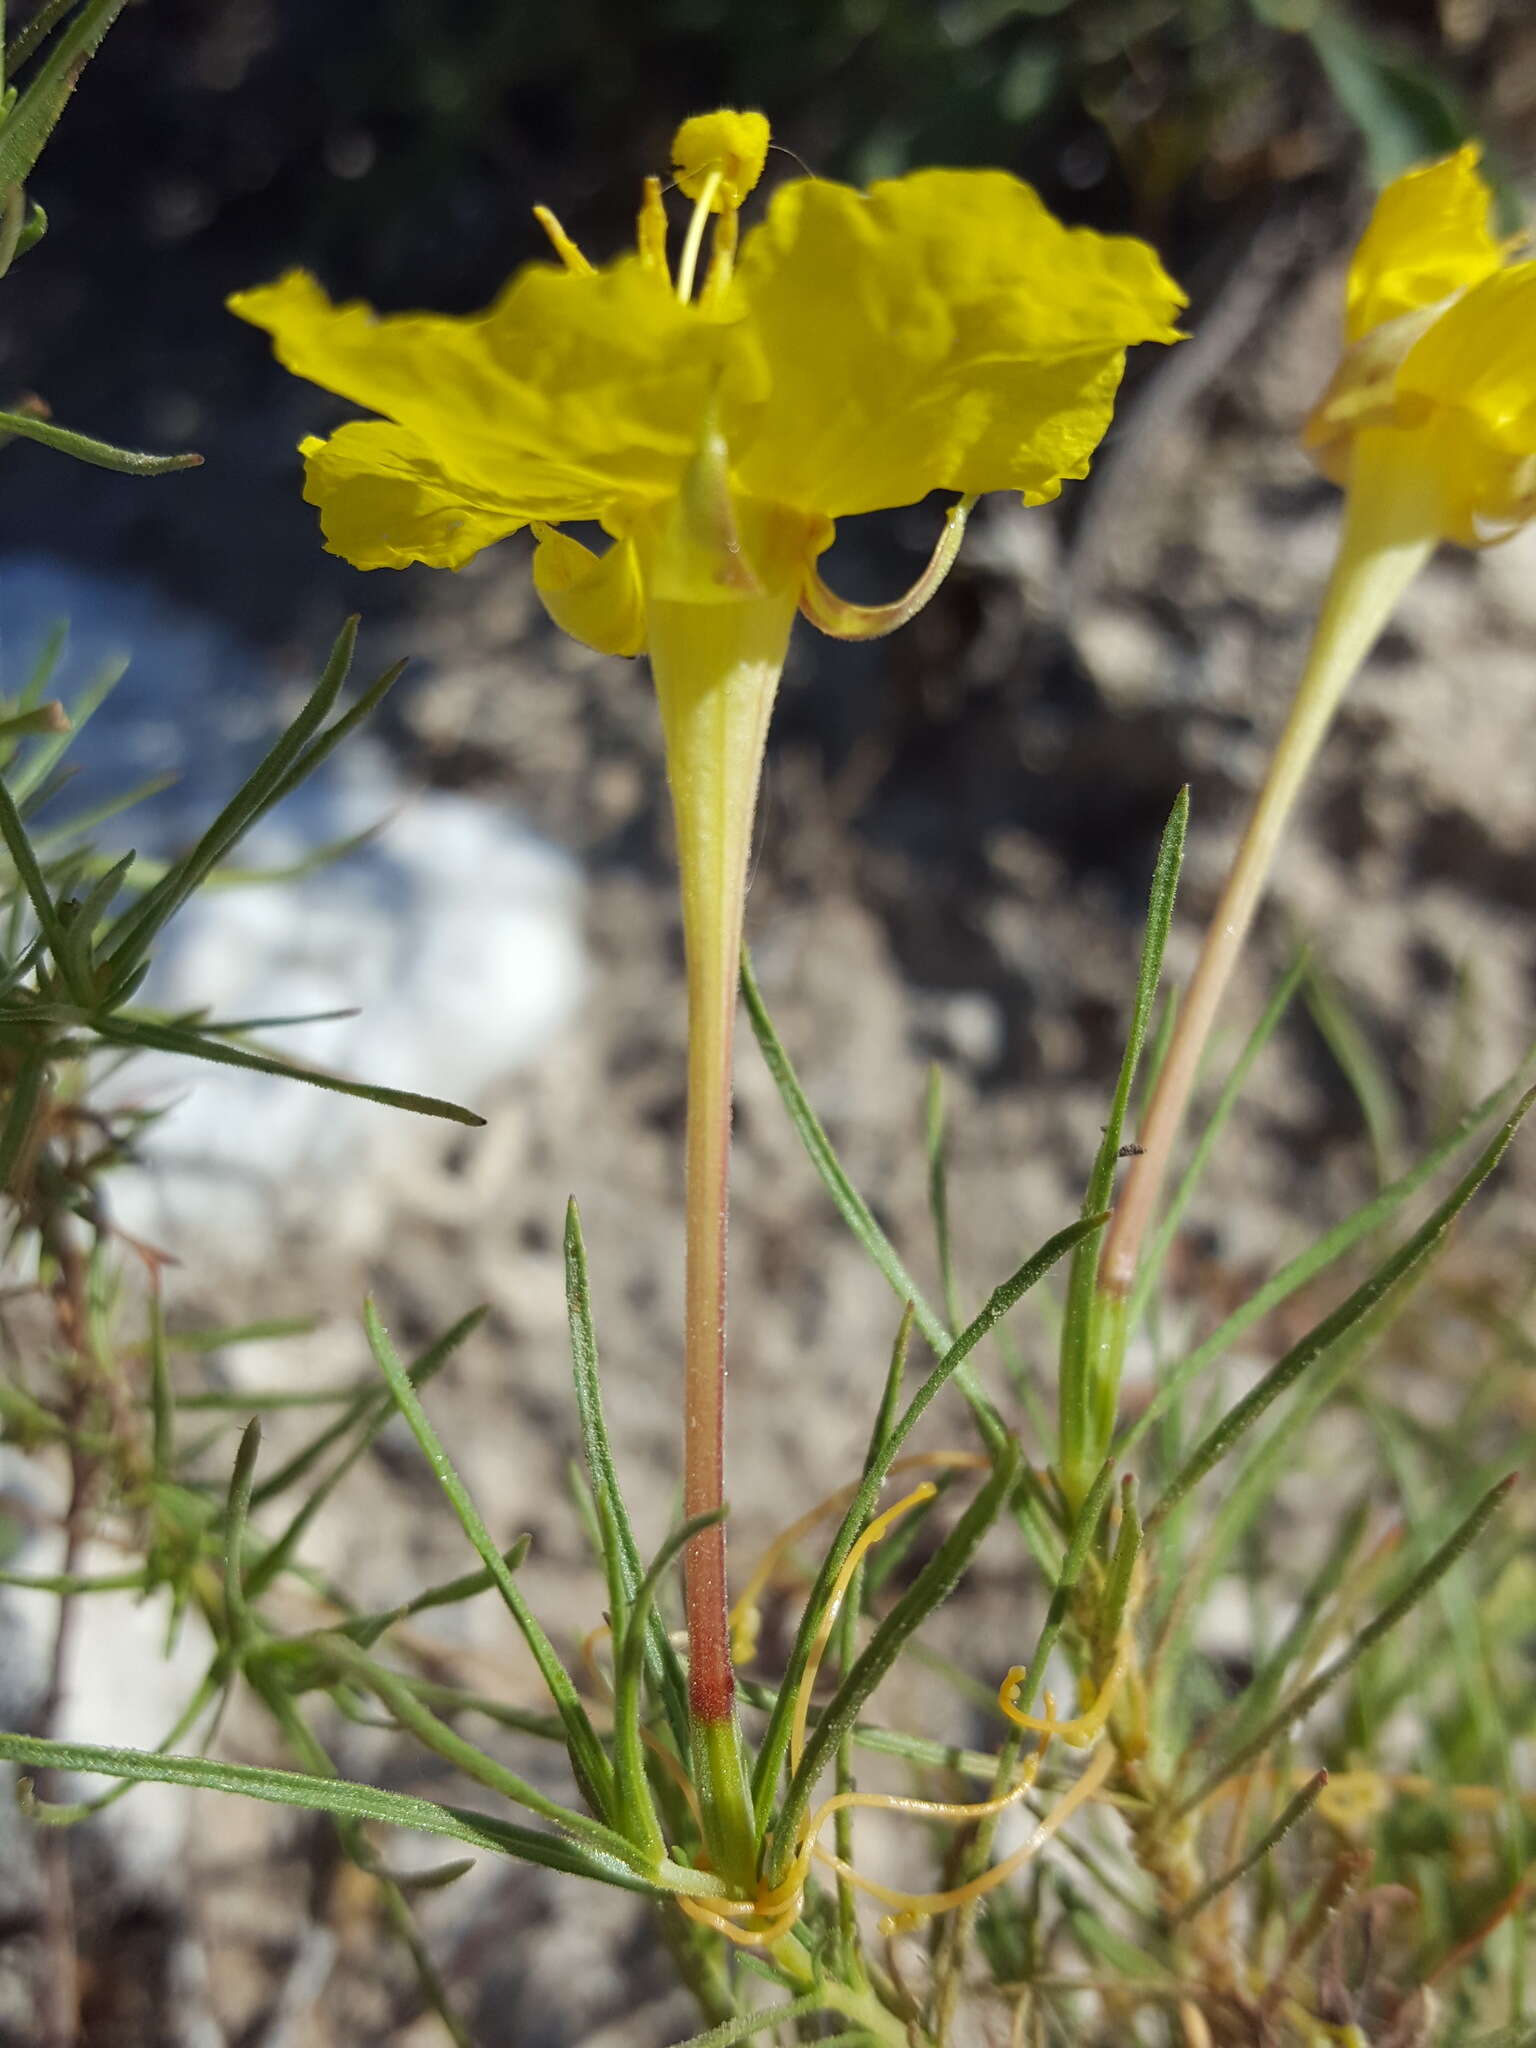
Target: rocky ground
{"x":957,"y":833}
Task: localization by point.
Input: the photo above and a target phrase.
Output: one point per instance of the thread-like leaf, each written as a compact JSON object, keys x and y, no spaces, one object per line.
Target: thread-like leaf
{"x":933,"y":1584}
{"x":1324,"y":1335}
{"x":633,"y":1790}
{"x":142,"y":1035}
{"x":256,"y":795}
{"x":1302,"y":1701}
{"x":338,"y":1796}
{"x":99,"y":454}
{"x":33,"y":118}
{"x":591,"y":1765}
{"x":1091,"y":1346}
{"x":775,"y":1741}
{"x":1294,"y":1810}
{"x":624,"y":1564}
{"x":1211,"y":1130}
{"x":1334,"y":1245}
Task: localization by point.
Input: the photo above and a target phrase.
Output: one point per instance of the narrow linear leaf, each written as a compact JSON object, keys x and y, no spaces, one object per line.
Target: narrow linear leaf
{"x":625,"y":1568}
{"x":339,"y":1796}
{"x":938,"y":1195}
{"x":933,"y":1584}
{"x":1324,"y":1335}
{"x":21,"y":1115}
{"x":236,"y":1513}
{"x":1295,"y":1809}
{"x":775,"y":1741}
{"x":849,"y":1203}
{"x":370,"y":1408}
{"x":30,"y":777}
{"x":1331,"y":1247}
{"x":1302,"y":1701}
{"x":729,"y":2032}
{"x":280,"y":1555}
{"x":634,"y":1796}
{"x":411,"y":1713}
{"x":44,"y":908}
{"x":1084,"y":1530}
{"x":32,"y":120}
{"x":1090,"y":1349}
{"x":592,"y":1767}
{"x":99,"y":454}
{"x":136,"y":927}
{"x":140,"y":1034}
{"x":1231,"y":1092}
{"x":365,"y":1629}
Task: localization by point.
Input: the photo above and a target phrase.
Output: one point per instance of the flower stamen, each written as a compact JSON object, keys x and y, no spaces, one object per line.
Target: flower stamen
{"x":694,"y":241}
{"x":651,"y":230}
{"x":722,"y":259}
{"x":563,"y":246}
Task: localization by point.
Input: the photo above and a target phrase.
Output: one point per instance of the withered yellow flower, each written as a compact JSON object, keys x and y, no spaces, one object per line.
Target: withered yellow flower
{"x":1441,"y":327}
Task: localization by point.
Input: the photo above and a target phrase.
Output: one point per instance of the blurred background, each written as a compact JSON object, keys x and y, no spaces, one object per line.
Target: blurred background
{"x":956,"y":838}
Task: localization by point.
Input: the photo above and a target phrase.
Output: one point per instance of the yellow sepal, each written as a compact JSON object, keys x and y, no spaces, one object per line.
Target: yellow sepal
{"x":597,"y":599}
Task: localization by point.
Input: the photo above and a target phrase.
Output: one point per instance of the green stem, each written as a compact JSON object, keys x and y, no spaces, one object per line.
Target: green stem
{"x":854,"y":2002}
{"x":1389,"y":533}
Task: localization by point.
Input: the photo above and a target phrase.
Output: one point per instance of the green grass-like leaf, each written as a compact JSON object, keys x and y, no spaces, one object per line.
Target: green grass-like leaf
{"x":1302,"y":1701}
{"x":1005,"y":1297}
{"x":622,"y":1553}
{"x":1092,"y":1335}
{"x":1334,"y":1245}
{"x":99,"y":454}
{"x":593,"y":1771}
{"x":33,"y":118}
{"x":1324,"y":1335}
{"x":338,"y":1796}
{"x":933,"y":1584}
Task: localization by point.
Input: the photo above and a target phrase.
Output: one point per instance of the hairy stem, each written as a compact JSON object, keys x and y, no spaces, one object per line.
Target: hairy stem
{"x":716,"y":668}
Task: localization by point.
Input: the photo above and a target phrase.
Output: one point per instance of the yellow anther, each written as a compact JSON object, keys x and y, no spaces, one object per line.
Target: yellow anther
{"x":563,"y":246}
{"x":727,"y":147}
{"x":651,"y":230}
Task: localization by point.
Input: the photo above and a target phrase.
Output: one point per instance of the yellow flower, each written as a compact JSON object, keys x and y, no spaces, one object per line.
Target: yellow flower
{"x":1440,"y":324}
{"x":1430,"y":427}
{"x":942,"y":331}
{"x":855,"y":350}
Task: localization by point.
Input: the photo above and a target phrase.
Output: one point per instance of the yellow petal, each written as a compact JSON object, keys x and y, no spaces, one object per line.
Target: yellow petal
{"x":595,"y":598}
{"x":944,"y":331}
{"x":574,"y":394}
{"x":1472,"y":376}
{"x":384,"y":502}
{"x":732,"y":143}
{"x":427,"y":370}
{"x":1428,"y":237}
